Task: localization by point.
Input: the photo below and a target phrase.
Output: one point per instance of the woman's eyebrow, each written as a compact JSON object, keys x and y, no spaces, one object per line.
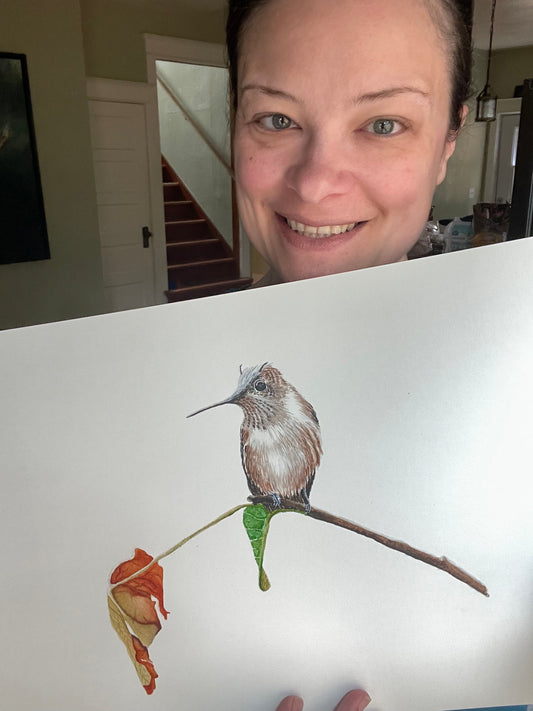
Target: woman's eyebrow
{"x":388,"y":93}
{"x":270,"y":91}
{"x":363,"y":98}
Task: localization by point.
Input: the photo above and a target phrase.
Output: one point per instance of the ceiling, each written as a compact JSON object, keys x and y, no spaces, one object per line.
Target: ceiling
{"x":513,"y":22}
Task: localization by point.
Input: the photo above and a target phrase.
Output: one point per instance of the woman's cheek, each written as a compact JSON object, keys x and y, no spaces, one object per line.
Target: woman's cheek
{"x":404,"y":184}
{"x":260,"y":176}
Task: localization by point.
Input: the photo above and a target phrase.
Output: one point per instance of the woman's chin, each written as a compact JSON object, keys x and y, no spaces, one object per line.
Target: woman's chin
{"x":299,"y":272}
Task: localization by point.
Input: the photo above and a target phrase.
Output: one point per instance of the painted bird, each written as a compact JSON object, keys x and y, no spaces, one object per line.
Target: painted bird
{"x":280,"y":435}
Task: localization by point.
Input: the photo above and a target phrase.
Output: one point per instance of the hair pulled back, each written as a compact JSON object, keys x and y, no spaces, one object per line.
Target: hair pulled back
{"x":451,"y":18}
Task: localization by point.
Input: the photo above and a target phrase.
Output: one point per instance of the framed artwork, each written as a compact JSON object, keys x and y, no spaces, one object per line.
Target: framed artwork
{"x":23,"y":236}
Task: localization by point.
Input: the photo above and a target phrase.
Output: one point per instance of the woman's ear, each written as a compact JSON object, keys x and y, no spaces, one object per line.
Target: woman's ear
{"x":449,"y":146}
{"x":464,"y":114}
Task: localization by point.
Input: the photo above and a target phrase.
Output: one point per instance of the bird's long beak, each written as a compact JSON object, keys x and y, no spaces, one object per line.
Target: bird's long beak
{"x":231,"y":400}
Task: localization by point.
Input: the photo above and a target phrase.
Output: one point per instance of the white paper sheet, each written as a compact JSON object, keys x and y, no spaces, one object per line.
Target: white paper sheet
{"x":422,"y":378}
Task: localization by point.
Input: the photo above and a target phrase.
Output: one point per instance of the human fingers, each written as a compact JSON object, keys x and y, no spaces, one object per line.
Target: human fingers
{"x":355,"y":700}
{"x":291,"y":703}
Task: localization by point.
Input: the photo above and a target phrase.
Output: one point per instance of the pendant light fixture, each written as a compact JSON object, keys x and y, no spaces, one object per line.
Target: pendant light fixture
{"x":486,"y":100}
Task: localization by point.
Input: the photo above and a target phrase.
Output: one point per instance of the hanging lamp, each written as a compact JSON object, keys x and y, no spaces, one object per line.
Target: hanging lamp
{"x":486,"y":100}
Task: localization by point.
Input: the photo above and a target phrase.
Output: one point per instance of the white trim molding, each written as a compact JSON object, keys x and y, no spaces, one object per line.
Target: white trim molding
{"x":175,"y":49}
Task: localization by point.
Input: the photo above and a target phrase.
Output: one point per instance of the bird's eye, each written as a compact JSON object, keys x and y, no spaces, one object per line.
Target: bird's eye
{"x":259,"y":385}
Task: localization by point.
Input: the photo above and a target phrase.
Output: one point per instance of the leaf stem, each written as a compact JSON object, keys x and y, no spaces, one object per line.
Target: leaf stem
{"x":181,"y":543}
{"x":442,"y":563}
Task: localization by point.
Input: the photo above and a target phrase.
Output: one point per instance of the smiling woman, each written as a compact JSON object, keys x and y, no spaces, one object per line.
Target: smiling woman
{"x":346,"y":113}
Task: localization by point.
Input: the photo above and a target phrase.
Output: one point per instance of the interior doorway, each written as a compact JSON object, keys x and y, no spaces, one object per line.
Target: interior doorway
{"x":195,"y":135}
{"x":502,"y":139}
{"x":195,"y":54}
{"x":506,"y":160}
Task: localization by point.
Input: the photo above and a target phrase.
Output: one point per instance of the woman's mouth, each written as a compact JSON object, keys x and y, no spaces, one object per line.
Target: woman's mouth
{"x":317,"y":237}
{"x":322,"y":231}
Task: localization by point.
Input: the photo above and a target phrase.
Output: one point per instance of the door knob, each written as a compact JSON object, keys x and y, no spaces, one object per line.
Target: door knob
{"x":146,"y":237}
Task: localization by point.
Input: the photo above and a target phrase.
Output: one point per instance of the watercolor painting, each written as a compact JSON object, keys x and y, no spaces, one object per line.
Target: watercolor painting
{"x":280,"y":447}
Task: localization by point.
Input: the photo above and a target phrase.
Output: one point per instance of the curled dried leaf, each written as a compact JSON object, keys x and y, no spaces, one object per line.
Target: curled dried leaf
{"x":133,"y":613}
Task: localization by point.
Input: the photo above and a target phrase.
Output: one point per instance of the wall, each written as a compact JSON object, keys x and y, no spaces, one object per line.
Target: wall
{"x":464,"y":180}
{"x":68,"y":285}
{"x":509,"y":67}
{"x":462,"y":186}
{"x":110,"y":24}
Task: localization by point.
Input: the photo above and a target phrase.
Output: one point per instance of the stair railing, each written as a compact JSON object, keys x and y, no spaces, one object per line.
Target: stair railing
{"x":207,"y":140}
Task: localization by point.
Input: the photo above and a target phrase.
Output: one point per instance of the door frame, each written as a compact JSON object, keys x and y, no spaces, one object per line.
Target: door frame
{"x":131,"y":92}
{"x":504,"y":106}
{"x":175,"y":49}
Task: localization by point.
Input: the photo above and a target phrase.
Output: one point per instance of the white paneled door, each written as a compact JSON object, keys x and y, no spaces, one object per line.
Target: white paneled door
{"x":118,"y":132}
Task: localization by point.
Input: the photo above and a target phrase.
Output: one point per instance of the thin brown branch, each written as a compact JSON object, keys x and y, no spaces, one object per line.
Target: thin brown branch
{"x":442,"y":563}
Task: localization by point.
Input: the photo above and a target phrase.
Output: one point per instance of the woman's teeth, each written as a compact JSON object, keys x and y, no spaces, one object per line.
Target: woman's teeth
{"x":323,"y":231}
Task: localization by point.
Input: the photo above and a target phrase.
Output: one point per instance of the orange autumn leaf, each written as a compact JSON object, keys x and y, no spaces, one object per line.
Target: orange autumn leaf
{"x":133,"y":614}
{"x":137,"y":652}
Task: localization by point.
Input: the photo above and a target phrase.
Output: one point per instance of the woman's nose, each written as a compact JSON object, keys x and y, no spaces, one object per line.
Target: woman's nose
{"x":319,"y":170}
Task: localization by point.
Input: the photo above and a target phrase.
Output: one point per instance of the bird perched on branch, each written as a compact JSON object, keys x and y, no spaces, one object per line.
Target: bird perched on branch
{"x":280,"y":435}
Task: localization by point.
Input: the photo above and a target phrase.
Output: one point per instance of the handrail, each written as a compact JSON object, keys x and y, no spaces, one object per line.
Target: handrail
{"x":196,"y":126}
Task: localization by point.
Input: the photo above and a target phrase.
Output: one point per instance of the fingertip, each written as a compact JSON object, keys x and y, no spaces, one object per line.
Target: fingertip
{"x":354,"y":700}
{"x":291,"y":703}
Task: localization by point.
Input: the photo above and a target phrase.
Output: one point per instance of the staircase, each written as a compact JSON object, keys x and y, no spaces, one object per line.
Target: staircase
{"x":200,"y":262}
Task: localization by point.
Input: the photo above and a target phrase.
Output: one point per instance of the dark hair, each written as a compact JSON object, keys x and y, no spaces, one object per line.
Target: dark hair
{"x":452,"y":19}
{"x":239,"y":13}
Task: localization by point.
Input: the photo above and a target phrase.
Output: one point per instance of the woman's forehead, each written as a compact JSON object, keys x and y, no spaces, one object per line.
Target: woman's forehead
{"x":287,"y":37}
{"x":340,"y":50}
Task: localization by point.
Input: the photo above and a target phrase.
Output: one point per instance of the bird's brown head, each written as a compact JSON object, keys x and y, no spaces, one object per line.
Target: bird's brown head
{"x":260,"y":393}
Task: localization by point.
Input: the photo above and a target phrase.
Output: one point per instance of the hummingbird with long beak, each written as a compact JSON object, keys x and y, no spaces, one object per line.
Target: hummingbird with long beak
{"x":280,"y":435}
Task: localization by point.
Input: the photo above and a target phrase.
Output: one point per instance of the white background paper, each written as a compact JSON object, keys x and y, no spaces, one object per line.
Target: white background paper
{"x":422,"y":378}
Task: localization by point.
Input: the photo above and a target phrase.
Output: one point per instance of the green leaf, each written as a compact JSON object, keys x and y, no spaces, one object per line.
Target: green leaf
{"x":256,"y":521}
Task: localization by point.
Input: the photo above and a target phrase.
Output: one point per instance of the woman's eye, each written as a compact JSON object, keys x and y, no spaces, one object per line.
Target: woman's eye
{"x":276,"y":122}
{"x":384,"y":127}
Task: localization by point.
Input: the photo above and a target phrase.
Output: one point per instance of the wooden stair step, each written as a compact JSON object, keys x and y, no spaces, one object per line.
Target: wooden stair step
{"x":165,"y":174}
{"x":207,"y":271}
{"x":195,"y":251}
{"x":202,"y":263}
{"x":188,"y":221}
{"x":199,"y":291}
{"x":186,"y":230}
{"x":173,"y":192}
{"x":207,"y":241}
{"x":176,"y":210}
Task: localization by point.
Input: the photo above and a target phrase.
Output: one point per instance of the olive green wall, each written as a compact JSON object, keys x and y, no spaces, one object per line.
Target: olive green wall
{"x":509,"y":67}
{"x":462,"y":185}
{"x":70,"y":283}
{"x":464,"y":180}
{"x":65,"y":41}
{"x":113,"y":33}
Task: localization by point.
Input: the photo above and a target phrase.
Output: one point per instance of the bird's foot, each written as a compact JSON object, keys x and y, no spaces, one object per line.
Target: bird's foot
{"x":306,"y":501}
{"x":276,"y":500}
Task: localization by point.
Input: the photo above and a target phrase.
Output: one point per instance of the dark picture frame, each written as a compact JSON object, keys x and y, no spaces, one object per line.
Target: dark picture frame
{"x":23,"y":233}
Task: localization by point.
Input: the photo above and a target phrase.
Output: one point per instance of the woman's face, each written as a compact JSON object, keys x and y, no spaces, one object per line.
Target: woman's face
{"x":340,"y":131}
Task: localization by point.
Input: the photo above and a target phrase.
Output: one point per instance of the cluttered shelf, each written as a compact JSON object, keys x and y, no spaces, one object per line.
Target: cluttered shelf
{"x":488,"y":224}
